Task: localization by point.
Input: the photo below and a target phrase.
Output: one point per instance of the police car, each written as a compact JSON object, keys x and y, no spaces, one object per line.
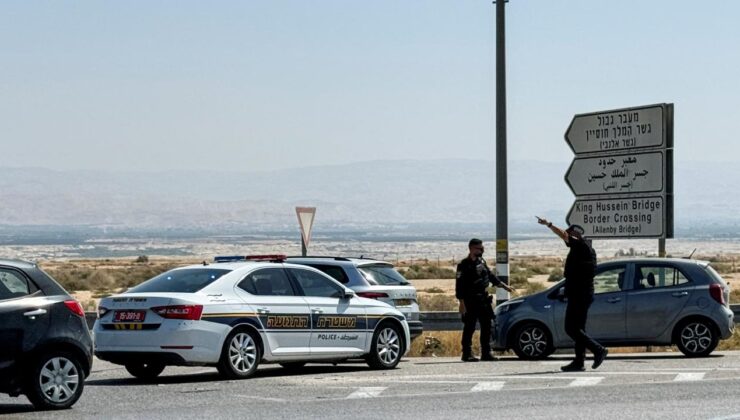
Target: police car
{"x":236,"y":315}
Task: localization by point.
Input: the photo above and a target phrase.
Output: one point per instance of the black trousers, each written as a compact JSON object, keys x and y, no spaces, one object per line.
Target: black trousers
{"x":576,"y":314}
{"x":477,"y":310}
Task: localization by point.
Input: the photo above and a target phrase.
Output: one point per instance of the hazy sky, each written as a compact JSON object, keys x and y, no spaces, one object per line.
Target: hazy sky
{"x":254,"y":85}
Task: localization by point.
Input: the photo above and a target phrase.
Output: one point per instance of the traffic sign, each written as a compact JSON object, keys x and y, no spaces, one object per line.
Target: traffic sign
{"x":630,"y":217}
{"x":618,"y":130}
{"x":617,"y":174}
{"x":305,"y":219}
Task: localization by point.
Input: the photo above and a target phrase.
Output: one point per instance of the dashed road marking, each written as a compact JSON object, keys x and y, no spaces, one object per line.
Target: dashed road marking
{"x":487,"y":386}
{"x":689,"y":376}
{"x":367,"y":392}
{"x":590,"y":381}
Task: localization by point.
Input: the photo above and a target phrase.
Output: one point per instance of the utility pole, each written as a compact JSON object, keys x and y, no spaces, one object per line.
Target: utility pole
{"x":502,"y":216}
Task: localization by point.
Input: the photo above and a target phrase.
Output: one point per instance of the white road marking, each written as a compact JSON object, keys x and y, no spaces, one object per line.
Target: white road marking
{"x":689,"y":376}
{"x":367,"y":392}
{"x":590,"y":381}
{"x":487,"y":386}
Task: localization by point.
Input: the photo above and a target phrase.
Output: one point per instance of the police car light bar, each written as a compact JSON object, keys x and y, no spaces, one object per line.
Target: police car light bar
{"x":229,"y":258}
{"x":267,"y":257}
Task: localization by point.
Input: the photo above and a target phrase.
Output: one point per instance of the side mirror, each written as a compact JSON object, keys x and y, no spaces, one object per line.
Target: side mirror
{"x":349,"y":293}
{"x":558,"y":294}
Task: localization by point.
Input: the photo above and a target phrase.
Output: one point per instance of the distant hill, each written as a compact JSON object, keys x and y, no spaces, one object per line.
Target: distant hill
{"x":358,"y":195}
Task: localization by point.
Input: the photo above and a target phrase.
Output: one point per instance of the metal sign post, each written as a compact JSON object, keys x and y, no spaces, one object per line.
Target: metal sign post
{"x":622,"y":175}
{"x":306,"y":217}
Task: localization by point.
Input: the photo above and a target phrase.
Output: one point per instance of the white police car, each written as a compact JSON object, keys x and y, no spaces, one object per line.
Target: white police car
{"x":235,"y":315}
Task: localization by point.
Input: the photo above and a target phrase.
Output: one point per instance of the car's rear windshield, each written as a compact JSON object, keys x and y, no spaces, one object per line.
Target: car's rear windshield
{"x":186,"y":280}
{"x":384,"y":275}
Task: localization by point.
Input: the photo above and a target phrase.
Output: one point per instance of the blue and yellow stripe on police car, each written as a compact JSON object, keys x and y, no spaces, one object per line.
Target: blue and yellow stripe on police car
{"x":128,"y":326}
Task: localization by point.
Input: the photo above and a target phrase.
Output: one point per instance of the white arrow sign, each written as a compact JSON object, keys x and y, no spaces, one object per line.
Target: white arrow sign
{"x":619,"y":218}
{"x":616,"y":130}
{"x":616,"y":174}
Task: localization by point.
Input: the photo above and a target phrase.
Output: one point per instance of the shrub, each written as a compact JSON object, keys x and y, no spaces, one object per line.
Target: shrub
{"x":142,"y":259}
{"x":555,"y":275}
{"x":534,"y":287}
{"x":416,"y":272}
{"x":437,"y":303}
{"x":433,"y":290}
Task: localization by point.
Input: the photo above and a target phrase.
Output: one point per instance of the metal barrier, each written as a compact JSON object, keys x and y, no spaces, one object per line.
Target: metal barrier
{"x":432,"y":321}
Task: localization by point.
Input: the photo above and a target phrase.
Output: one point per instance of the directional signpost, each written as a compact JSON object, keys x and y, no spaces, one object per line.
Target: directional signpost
{"x":622,"y":175}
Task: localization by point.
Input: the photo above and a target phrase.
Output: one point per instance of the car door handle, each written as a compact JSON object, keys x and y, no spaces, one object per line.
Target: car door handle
{"x":37,"y":312}
{"x":263,"y":310}
{"x":679,"y":294}
{"x":614,"y":300}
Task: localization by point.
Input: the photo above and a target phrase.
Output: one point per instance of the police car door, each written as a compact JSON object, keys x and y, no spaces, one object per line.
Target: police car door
{"x":283,"y":314}
{"x":338,"y":323}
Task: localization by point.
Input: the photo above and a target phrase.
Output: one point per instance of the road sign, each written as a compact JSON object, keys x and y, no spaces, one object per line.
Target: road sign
{"x":618,"y":130}
{"x":617,"y":174}
{"x":306,"y":216}
{"x":630,"y":217}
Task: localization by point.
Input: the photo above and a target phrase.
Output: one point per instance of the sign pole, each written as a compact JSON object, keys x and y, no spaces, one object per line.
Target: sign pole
{"x":502,"y":229}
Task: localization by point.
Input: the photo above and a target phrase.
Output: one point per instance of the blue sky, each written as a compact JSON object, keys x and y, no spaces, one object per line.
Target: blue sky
{"x":260,"y":85}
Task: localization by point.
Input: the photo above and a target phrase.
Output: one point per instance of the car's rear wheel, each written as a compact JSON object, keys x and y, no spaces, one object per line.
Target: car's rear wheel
{"x":385,"y":351}
{"x":532,"y":342}
{"x":240,"y":356}
{"x":293,"y":365}
{"x":146,"y":370}
{"x":57,"y":381}
{"x":696,"y":338}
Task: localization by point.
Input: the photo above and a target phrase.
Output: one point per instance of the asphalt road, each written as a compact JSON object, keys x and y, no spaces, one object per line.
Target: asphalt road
{"x":646,"y":386}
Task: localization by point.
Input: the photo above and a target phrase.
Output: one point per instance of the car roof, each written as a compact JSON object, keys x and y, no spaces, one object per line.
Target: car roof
{"x":658,"y":260}
{"x":337,"y":260}
{"x":17,"y":263}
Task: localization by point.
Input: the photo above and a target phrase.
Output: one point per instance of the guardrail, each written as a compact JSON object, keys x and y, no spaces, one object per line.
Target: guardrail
{"x":432,"y":321}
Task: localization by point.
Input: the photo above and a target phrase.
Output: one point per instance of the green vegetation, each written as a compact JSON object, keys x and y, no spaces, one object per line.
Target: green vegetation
{"x":437,"y":303}
{"x":432,"y":290}
{"x":416,"y":272}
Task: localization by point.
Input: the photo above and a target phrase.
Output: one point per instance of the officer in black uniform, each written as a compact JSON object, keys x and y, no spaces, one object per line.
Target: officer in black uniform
{"x":580,"y":267}
{"x":472,"y":279}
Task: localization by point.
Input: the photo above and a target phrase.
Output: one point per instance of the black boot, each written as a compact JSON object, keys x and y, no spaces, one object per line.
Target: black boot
{"x":574,"y":366}
{"x":469,"y":358}
{"x":599,"y":358}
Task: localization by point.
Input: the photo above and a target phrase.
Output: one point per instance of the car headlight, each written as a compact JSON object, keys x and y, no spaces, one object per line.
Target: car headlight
{"x":507,"y":306}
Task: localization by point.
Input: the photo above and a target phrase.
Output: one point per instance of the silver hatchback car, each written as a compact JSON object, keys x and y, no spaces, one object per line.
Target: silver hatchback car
{"x":637,"y":302}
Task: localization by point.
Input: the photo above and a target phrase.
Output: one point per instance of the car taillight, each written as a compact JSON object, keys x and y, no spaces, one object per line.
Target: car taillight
{"x":716,"y":292}
{"x":372,"y":295}
{"x":190,"y":312}
{"x":102,"y":311}
{"x":75,"y":307}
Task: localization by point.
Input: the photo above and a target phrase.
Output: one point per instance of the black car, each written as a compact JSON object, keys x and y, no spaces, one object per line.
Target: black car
{"x":45,"y":346}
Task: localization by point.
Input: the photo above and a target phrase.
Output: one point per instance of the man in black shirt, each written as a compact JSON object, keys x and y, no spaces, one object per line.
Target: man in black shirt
{"x":580,"y":267}
{"x":472,"y":279}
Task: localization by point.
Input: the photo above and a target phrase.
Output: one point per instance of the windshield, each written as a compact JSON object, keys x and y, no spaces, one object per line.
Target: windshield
{"x":188,"y":280}
{"x":382,"y":275}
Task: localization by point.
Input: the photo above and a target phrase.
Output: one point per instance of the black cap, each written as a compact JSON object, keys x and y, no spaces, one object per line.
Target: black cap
{"x":577,"y":229}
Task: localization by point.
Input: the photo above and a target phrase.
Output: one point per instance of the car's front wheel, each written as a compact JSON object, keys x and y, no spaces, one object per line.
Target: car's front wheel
{"x":240,"y":355}
{"x":145,"y":371}
{"x":696,"y":338}
{"x":57,"y":381}
{"x":532,"y":342}
{"x":385,"y":351}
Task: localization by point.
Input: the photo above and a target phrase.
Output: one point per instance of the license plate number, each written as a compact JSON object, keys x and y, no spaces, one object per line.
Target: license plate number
{"x":129,"y":316}
{"x":403,"y":302}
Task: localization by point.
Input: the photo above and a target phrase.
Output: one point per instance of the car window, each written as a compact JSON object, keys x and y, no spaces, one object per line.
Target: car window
{"x":187,"y":280}
{"x":650,"y":277}
{"x":335,"y":272}
{"x":384,"y":275}
{"x":315,"y":284}
{"x":267,"y":282}
{"x":609,"y":280}
{"x":13,"y":285}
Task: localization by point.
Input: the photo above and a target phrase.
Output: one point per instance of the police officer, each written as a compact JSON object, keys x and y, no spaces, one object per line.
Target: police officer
{"x":580,"y":267}
{"x":472,"y":279}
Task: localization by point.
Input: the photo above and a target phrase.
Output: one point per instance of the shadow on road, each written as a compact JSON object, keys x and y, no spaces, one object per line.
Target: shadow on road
{"x":268,"y":371}
{"x":16,"y":408}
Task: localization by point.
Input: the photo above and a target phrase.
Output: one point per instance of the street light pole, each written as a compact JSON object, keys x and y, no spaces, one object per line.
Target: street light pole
{"x":502,"y":222}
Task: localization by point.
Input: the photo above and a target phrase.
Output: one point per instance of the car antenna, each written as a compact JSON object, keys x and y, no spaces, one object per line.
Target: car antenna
{"x":691,"y":255}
